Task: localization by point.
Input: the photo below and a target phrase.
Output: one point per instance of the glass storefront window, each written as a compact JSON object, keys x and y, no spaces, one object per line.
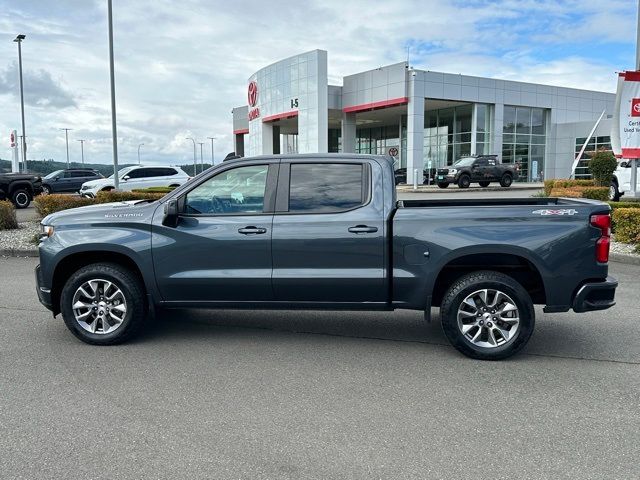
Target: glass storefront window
{"x":524,"y":139}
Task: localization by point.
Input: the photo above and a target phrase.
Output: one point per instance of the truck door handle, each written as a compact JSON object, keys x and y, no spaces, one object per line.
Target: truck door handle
{"x":363,"y":229}
{"x":251,"y":230}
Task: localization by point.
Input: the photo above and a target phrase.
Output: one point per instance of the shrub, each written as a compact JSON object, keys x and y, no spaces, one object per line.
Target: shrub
{"x":616,"y":205}
{"x":596,"y":193}
{"x":47,"y":204}
{"x":548,"y":186}
{"x":8,"y":220}
{"x":566,"y":192}
{"x":118,"y":196}
{"x":564,"y":183}
{"x":602,"y":165}
{"x":627,"y":222}
{"x":154,"y":190}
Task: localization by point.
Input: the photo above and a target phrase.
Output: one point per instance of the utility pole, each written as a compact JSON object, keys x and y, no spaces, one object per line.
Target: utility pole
{"x":112,"y":78}
{"x":82,"y":150}
{"x":213,"y":161}
{"x":201,"y":160}
{"x":66,"y":136}
{"x":19,"y":40}
{"x":139,"y":145}
{"x":195,"y":166}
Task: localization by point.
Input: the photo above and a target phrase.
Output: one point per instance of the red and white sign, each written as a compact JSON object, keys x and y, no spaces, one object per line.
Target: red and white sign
{"x":252,"y":93}
{"x":393,"y":151}
{"x":625,"y":138}
{"x":12,"y":139}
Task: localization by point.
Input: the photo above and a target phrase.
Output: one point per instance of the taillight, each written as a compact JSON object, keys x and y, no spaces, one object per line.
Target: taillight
{"x":603,"y":222}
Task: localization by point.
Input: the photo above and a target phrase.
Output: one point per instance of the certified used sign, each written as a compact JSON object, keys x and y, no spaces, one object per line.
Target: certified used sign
{"x":625,"y":137}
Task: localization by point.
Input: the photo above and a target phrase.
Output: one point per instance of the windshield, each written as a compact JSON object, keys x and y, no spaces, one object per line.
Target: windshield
{"x":53,"y":174}
{"x":464,"y":162}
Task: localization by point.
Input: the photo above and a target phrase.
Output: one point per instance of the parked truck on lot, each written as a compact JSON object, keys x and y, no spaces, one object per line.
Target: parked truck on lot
{"x":481,"y":169}
{"x":326,"y":232}
{"x":19,"y":188}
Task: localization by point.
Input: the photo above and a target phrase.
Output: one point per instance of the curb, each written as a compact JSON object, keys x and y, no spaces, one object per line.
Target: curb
{"x":15,"y":252}
{"x":623,"y":258}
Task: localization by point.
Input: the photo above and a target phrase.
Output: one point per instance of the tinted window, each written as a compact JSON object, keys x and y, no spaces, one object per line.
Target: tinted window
{"x":236,"y":191}
{"x":481,"y":162}
{"x":325,"y":187}
{"x":139,"y":173}
{"x":167,"y":172}
{"x":79,"y":174}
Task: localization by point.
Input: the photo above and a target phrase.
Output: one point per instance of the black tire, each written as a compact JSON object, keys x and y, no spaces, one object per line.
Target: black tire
{"x":614,"y":193}
{"x":46,"y":190}
{"x":464,"y":181}
{"x":506,"y":180}
{"x":443,"y":184}
{"x":480,"y":280}
{"x":21,"y":198}
{"x":107,"y":189}
{"x":175,"y":185}
{"x":134,"y":295}
{"x":484,"y":184}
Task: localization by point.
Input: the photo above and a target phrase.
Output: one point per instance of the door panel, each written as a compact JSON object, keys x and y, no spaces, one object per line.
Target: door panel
{"x":316,"y":258}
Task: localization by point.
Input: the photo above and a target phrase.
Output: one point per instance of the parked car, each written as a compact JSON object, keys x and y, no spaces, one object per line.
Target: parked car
{"x":139,"y":176}
{"x":482,"y":169}
{"x":428,"y":176}
{"x":621,"y":181}
{"x":69,"y":180}
{"x":19,"y":188}
{"x":326,"y":232}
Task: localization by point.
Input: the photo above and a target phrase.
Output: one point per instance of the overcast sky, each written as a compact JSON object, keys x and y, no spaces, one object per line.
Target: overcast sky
{"x":181,"y":66}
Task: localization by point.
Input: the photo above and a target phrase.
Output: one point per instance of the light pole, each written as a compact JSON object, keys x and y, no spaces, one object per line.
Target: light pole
{"x":112,"y":78}
{"x":195,"y":169}
{"x":201,"y":161}
{"x":213,"y":161}
{"x":82,"y":150}
{"x":139,"y":145}
{"x":66,"y":136}
{"x":19,"y":40}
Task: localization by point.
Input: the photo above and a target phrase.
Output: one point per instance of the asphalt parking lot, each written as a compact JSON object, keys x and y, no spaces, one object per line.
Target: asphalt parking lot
{"x":258,"y":394}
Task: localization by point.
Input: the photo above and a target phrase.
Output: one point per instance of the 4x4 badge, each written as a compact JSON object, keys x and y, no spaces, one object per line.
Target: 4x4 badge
{"x":564,"y":211}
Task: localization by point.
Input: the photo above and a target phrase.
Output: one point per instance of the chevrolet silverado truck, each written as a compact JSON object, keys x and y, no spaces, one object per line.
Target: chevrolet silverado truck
{"x":325,"y":232}
{"x":19,"y":188}
{"x":481,"y":169}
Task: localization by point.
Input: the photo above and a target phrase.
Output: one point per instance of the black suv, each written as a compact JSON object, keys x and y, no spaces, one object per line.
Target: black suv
{"x":481,"y":169}
{"x":69,"y":180}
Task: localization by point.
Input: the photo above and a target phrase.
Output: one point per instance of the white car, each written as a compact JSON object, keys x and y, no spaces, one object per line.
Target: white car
{"x":621,"y":181}
{"x":140,"y":176}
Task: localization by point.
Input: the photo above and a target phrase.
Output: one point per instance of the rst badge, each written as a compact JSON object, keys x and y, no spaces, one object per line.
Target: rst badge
{"x":563,"y":211}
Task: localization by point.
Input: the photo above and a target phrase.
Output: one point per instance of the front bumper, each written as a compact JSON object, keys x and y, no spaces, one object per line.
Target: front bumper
{"x":44,"y":294}
{"x":595,"y":296}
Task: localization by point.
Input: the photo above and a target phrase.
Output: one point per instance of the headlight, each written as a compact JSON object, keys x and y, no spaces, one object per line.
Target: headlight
{"x":46,"y":231}
{"x":453,"y":171}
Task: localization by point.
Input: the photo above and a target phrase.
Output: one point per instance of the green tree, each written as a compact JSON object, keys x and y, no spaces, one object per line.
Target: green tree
{"x":602,"y":165}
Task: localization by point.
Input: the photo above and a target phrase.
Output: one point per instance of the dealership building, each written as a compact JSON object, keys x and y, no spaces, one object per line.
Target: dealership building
{"x":423,"y":119}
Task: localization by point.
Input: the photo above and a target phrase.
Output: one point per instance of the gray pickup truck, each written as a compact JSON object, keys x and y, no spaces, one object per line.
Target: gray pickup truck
{"x":325,"y":232}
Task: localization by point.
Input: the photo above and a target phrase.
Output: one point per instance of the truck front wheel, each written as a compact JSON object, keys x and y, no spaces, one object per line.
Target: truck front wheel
{"x":103,"y":304}
{"x":21,"y":198}
{"x":487,"y":315}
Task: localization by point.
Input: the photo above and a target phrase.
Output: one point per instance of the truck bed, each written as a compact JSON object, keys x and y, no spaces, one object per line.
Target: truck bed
{"x":495,"y":202}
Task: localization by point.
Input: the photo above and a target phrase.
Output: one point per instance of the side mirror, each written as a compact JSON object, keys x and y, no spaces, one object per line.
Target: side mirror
{"x":624,"y":164}
{"x":55,"y":179}
{"x":171,"y":214}
{"x":126,"y":177}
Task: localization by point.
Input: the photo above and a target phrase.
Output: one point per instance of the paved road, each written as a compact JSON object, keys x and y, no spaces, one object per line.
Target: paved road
{"x":255,"y":394}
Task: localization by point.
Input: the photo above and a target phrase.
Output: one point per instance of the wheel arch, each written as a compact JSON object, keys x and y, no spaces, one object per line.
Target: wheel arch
{"x":20,"y":184}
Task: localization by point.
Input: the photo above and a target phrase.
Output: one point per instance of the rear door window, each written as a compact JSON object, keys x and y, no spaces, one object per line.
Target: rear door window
{"x":326,"y":187}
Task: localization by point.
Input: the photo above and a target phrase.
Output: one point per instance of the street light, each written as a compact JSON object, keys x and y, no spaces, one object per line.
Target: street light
{"x":66,"y":136}
{"x":213,"y":162}
{"x":82,"y":149}
{"x":141,"y":144}
{"x":112,"y":79}
{"x":19,"y":40}
{"x":195,"y":169}
{"x":201,"y":161}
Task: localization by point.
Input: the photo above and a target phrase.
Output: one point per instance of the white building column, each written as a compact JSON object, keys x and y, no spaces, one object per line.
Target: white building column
{"x":267,"y":139}
{"x":415,"y":127}
{"x":348,"y":132}
{"x":497,"y":117}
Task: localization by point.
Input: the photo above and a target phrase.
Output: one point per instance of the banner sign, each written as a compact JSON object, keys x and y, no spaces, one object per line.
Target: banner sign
{"x":627,"y":137}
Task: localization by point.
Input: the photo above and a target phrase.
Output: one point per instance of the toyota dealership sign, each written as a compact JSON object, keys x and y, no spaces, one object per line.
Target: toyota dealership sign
{"x":625,"y":138}
{"x":252,"y":99}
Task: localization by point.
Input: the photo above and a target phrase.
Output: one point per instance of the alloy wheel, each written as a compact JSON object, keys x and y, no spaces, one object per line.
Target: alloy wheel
{"x":488,"y":318}
{"x":99,"y":306}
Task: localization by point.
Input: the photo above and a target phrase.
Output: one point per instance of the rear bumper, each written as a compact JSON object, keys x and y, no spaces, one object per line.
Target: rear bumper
{"x":44,"y":294}
{"x":595,"y":296}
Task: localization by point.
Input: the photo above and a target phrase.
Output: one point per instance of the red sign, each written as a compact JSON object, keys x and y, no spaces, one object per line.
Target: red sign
{"x":253,"y":114}
{"x":635,"y":107}
{"x":252,"y":93}
{"x":393,"y":151}
{"x":12,"y":140}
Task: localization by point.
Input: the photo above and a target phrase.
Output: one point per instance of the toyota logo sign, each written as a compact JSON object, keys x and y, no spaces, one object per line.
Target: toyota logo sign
{"x":635,"y":107}
{"x":252,"y":94}
{"x":12,"y":139}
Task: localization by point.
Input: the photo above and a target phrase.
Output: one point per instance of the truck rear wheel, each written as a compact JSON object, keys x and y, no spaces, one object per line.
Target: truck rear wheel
{"x":103,"y":304}
{"x":506,"y":180}
{"x":21,"y":198}
{"x":487,"y":315}
{"x":464,"y":181}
